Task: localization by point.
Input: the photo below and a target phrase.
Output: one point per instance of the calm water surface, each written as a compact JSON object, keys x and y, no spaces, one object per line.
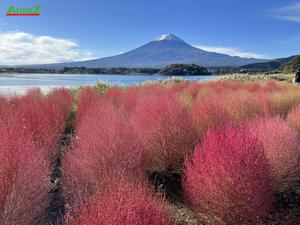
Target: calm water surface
{"x":20,"y":83}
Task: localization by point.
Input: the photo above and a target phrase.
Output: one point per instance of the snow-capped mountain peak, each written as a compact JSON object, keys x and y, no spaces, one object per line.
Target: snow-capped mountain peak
{"x":168,"y":37}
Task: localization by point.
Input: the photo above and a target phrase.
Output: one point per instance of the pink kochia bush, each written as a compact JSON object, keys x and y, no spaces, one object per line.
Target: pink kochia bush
{"x":44,"y":117}
{"x":30,"y":130}
{"x":123,"y":201}
{"x":129,"y":100}
{"x":227,"y":180}
{"x":209,"y":113}
{"x":294,"y":118}
{"x":282,"y":149}
{"x":104,"y":143}
{"x":24,"y":178}
{"x":85,"y":99}
{"x":3,"y":104}
{"x":244,"y":106}
{"x":166,"y":129}
{"x":63,"y":101}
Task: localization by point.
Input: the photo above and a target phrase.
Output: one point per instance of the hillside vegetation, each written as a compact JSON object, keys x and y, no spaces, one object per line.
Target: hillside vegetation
{"x":291,"y":66}
{"x":184,"y":70}
{"x":286,"y":65}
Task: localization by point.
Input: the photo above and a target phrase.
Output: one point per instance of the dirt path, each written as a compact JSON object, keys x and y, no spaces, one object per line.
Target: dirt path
{"x":56,"y":209}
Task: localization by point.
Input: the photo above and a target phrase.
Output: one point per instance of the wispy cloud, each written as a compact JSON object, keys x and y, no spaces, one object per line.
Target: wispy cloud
{"x":230,"y":51}
{"x":20,"y":48}
{"x":289,"y":12}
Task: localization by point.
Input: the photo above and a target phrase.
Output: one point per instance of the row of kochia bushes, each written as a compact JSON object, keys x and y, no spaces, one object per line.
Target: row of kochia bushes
{"x":30,"y":130}
{"x":236,"y":146}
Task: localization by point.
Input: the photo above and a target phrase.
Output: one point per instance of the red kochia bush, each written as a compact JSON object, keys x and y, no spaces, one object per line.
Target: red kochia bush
{"x":85,"y":99}
{"x":294,"y":118}
{"x":63,"y":99}
{"x":227,"y":179}
{"x":123,"y":202}
{"x":35,"y":115}
{"x":104,"y":142}
{"x":57,"y":109}
{"x":209,"y":113}
{"x":24,"y":178}
{"x":166,"y":128}
{"x":44,"y":117}
{"x":244,"y":106}
{"x":113,"y":95}
{"x":3,"y":104}
{"x":129,"y":99}
{"x":282,"y":149}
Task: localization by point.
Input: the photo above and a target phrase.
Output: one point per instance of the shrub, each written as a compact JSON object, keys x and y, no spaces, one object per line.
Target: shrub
{"x":253,"y":87}
{"x":166,"y":129}
{"x":63,"y":99}
{"x":44,"y":117}
{"x":36,"y":117}
{"x":24,"y":178}
{"x":185,"y":99}
{"x":129,"y":100}
{"x":227,"y":179}
{"x":244,"y":106}
{"x":272,"y":86}
{"x":57,"y":108}
{"x":176,"y":88}
{"x":101,"y":87}
{"x":284,"y":102}
{"x":3,"y":104}
{"x":282,"y":149}
{"x":294,"y":118}
{"x":104,"y":142}
{"x":209,"y":113}
{"x":123,"y":202}
{"x":153,"y":89}
{"x":113,"y":95}
{"x":85,"y":99}
{"x":193,"y":89}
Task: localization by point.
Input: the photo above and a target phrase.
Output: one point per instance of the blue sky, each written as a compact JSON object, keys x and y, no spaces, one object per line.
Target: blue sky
{"x":77,"y":30}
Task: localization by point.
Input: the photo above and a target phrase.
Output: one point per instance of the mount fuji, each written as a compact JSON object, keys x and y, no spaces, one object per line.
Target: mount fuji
{"x":164,"y":50}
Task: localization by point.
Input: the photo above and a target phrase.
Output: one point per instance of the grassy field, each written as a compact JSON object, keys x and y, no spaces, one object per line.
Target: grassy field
{"x":258,"y":77}
{"x":171,"y":153}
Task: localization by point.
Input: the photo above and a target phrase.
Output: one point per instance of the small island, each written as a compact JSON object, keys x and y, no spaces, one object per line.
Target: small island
{"x":184,"y":70}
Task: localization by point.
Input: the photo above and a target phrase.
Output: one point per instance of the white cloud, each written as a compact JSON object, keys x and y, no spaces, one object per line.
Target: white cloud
{"x":20,"y":48}
{"x":230,"y":51}
{"x":290,"y":12}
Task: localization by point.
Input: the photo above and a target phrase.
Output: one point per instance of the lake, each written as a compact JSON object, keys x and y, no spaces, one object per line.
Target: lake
{"x":20,"y":83}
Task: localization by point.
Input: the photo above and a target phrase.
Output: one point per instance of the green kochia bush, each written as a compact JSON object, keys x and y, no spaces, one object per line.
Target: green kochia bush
{"x":227,"y":180}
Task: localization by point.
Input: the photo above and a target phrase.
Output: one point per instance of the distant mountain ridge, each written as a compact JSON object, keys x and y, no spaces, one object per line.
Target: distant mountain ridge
{"x":276,"y":64}
{"x":164,"y":50}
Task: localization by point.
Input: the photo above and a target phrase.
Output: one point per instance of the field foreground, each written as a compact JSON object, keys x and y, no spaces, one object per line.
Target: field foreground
{"x":181,"y":153}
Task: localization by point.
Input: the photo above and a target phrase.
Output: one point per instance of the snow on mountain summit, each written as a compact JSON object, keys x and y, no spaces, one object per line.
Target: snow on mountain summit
{"x":168,"y":37}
